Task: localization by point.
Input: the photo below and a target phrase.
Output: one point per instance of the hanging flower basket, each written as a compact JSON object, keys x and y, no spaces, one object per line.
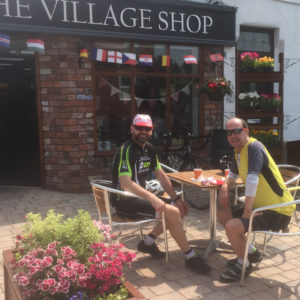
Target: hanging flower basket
{"x":216,"y":89}
{"x":215,"y":95}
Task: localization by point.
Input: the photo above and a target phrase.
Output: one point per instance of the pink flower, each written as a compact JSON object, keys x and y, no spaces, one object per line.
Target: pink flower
{"x":46,"y":262}
{"x":53,"y":290}
{"x":44,"y":286}
{"x":50,"y":281}
{"x":58,"y":268}
{"x":51,"y":246}
{"x":23,"y":281}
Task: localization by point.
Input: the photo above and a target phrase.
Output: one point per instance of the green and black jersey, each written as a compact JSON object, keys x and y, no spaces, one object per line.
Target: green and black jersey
{"x":135,"y":161}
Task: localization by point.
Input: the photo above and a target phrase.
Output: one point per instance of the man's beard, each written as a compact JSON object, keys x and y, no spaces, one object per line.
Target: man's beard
{"x":141,"y":138}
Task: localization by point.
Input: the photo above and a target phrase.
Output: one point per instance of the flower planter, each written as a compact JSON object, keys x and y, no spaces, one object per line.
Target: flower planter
{"x":13,"y":292}
{"x":215,"y":96}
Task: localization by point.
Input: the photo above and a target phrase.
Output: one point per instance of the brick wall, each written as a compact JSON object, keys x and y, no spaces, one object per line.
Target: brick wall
{"x":67,"y":120}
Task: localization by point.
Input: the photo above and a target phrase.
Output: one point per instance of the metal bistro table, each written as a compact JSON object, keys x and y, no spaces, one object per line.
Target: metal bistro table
{"x":187,"y":178}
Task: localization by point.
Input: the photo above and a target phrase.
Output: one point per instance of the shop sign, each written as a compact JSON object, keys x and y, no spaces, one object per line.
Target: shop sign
{"x":179,"y":21}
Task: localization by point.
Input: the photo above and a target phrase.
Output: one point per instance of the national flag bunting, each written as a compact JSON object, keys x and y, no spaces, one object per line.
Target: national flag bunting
{"x":190,"y":59}
{"x":216,"y":57}
{"x":35,"y":45}
{"x":4,"y":40}
{"x":166,"y":60}
{"x":145,"y":59}
{"x":99,"y":54}
{"x":83,"y":53}
{"x":129,"y":58}
{"x":114,"y":57}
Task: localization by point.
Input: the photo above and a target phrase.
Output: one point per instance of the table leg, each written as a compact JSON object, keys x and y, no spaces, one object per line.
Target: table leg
{"x":212,"y":224}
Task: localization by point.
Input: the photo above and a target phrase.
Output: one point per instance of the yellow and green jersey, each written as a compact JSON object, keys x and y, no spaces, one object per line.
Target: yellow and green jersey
{"x":255,"y":159}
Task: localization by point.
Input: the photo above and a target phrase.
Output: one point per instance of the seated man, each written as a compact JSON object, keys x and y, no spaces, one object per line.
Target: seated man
{"x":263,"y":186}
{"x":133,"y":165}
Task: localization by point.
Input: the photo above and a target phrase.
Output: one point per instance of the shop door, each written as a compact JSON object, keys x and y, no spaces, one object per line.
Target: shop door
{"x":19,"y":140}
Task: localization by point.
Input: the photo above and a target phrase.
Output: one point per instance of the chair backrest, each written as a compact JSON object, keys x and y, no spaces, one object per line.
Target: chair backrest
{"x":291,"y":176}
{"x":102,"y":200}
{"x":101,"y":190}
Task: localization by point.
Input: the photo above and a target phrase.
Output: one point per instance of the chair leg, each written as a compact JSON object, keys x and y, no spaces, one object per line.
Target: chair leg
{"x":253,"y":239}
{"x":265,"y":244}
{"x":141,"y":231}
{"x":165,"y":237}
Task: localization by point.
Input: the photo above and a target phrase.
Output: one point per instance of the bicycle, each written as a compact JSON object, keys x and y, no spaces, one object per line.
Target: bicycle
{"x":179,"y":156}
{"x":176,"y":151}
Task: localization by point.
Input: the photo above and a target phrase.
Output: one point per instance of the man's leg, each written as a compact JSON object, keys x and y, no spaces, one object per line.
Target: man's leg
{"x":235,"y":231}
{"x":224,"y":214}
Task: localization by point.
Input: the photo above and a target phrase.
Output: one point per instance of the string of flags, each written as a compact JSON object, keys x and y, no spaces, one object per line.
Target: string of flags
{"x":110,"y":56}
{"x":124,"y":96}
{"x":32,"y":44}
{"x":103,"y":55}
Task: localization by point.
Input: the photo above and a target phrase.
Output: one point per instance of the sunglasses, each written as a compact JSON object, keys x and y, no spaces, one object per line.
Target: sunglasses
{"x":140,"y":128}
{"x":235,"y":131}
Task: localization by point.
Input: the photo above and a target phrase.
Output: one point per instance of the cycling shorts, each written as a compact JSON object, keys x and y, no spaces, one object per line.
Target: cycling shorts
{"x":267,"y":220}
{"x":136,"y":208}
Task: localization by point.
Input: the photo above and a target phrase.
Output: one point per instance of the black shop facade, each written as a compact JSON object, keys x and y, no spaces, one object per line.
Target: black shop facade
{"x":66,"y":108}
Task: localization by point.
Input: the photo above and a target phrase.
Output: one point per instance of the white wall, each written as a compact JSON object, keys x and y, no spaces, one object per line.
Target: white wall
{"x":284,"y":17}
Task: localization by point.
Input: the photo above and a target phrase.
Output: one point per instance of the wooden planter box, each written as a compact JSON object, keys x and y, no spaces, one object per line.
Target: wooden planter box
{"x":13,"y":292}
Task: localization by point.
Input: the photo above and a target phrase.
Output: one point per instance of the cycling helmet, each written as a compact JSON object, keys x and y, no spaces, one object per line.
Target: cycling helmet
{"x":154,"y":187}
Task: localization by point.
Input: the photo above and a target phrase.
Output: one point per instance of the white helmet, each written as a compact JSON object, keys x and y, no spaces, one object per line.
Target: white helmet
{"x":154,"y":187}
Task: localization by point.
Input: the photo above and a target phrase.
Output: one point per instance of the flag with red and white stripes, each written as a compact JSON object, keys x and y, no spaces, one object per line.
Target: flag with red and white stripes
{"x":190,"y":59}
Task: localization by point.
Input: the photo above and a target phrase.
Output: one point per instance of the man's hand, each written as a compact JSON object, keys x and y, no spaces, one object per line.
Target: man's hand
{"x":182,"y":206}
{"x":224,"y":195}
{"x":157,"y":203}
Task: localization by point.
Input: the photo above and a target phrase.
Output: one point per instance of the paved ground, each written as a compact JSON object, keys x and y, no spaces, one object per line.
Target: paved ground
{"x":276,"y":277}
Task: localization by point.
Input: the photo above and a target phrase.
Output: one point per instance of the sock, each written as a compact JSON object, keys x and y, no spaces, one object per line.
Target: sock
{"x":149,"y":239}
{"x":189,"y":254}
{"x":252,"y":249}
{"x":241,"y":261}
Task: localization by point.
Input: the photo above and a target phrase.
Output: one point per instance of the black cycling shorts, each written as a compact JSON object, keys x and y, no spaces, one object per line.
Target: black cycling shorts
{"x":136,"y":208}
{"x":268,"y":220}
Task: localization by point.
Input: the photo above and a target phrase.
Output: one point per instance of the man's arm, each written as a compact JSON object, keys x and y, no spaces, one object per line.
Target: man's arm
{"x":128,"y":185}
{"x":167,"y":186}
{"x":225,"y":190}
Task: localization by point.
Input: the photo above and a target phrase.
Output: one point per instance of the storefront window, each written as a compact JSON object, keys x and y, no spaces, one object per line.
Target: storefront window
{"x":113,"y":111}
{"x":184,"y":106}
{"x":178,"y":65}
{"x":151,"y":99}
{"x":255,"y":41}
{"x":168,"y":94}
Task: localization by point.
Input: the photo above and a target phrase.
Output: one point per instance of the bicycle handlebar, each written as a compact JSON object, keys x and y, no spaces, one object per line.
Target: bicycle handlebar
{"x":167,"y":140}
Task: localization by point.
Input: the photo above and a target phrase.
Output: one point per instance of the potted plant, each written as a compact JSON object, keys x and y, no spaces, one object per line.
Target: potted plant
{"x":216,"y":89}
{"x":68,"y":259}
{"x":270,"y":102}
{"x":270,"y":138}
{"x":249,"y":101}
{"x":250,"y":62}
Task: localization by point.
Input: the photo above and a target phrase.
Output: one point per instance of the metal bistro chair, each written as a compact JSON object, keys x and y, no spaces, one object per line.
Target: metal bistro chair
{"x":101,"y":191}
{"x":272,"y":233}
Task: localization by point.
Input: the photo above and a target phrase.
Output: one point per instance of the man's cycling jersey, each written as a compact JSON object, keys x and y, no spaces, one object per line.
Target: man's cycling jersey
{"x":135,"y":161}
{"x":255,"y":159}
